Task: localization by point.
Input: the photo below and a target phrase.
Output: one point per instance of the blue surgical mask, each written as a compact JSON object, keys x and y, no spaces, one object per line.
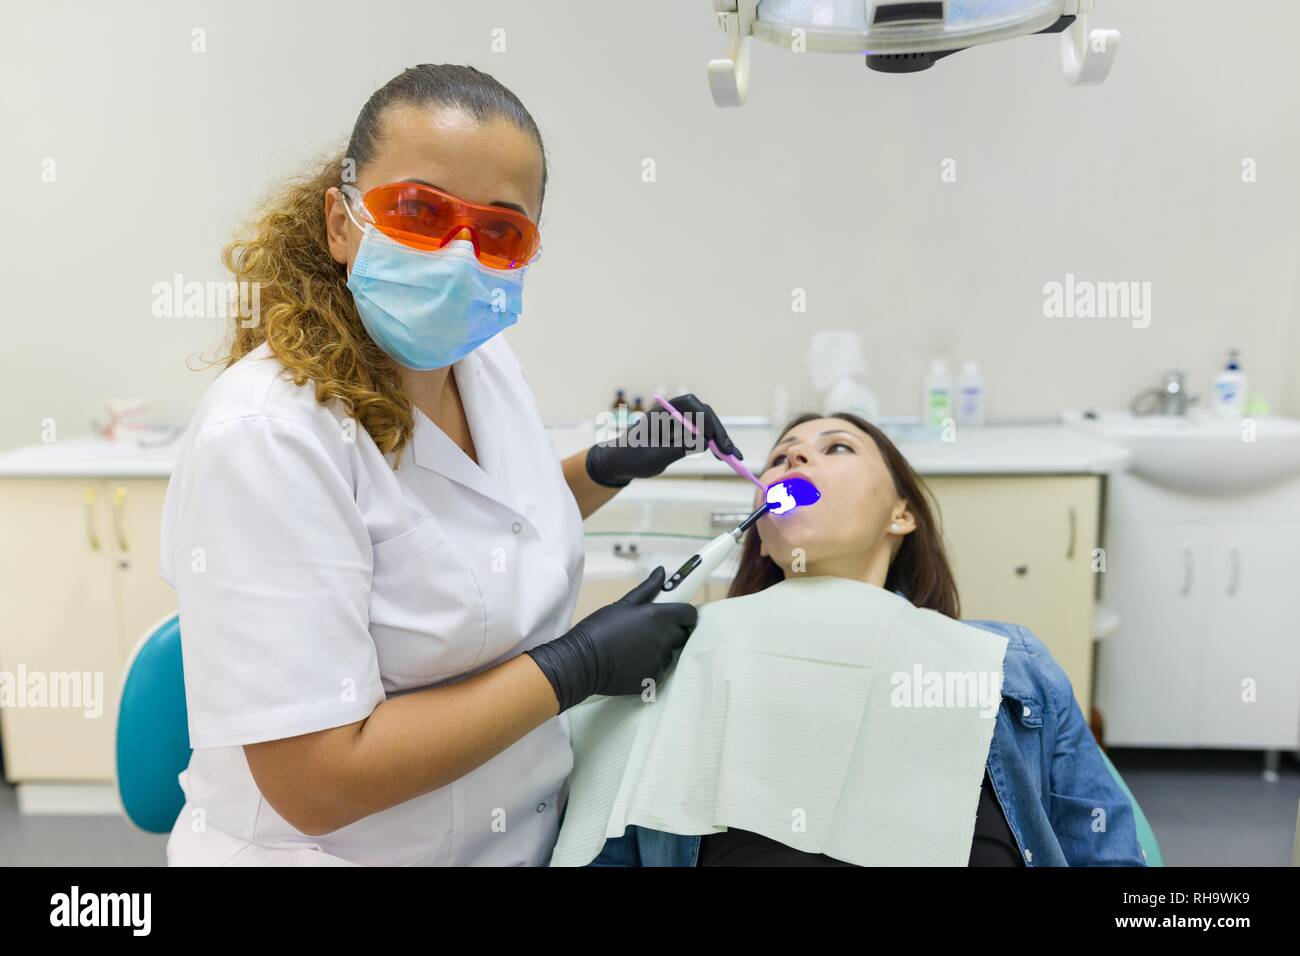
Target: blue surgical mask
{"x":430,"y":309}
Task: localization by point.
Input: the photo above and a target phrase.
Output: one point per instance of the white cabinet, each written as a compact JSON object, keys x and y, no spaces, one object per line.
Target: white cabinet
{"x":79,"y":584}
{"x":1250,"y":647}
{"x":1207,"y":651}
{"x":1149,"y":670}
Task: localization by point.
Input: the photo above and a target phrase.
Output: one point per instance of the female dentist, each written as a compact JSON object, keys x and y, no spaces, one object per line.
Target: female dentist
{"x":375,"y":551}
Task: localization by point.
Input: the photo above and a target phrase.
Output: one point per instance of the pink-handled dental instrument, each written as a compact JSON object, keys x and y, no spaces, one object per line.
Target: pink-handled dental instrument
{"x":732,"y":462}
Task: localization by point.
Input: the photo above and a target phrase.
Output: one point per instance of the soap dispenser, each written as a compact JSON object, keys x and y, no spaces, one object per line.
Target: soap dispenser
{"x":1230,"y":389}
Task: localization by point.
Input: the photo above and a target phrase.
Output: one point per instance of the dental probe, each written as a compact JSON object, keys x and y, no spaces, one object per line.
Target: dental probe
{"x":782,"y":498}
{"x":731,"y":461}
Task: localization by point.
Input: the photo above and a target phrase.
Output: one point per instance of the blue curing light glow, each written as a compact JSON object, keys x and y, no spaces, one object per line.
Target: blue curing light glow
{"x":784,"y":496}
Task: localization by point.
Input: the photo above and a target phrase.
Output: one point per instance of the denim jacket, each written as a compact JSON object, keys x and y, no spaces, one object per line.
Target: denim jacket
{"x":1060,"y":800}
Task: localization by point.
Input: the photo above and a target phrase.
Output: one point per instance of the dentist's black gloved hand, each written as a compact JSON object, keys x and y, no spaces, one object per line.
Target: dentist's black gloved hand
{"x":614,"y":649}
{"x":613,"y":466}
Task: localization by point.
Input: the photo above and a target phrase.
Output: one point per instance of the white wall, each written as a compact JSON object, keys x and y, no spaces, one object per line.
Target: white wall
{"x":829,"y":180}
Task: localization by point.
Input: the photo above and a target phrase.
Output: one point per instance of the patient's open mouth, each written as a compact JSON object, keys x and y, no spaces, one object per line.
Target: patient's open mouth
{"x":792,"y":491}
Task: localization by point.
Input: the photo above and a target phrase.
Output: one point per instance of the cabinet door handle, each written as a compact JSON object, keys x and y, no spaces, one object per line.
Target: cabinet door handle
{"x":1074,"y":531}
{"x":1187,"y":570}
{"x":1235,"y":577}
{"x":119,"y":509}
{"x":91,"y":535}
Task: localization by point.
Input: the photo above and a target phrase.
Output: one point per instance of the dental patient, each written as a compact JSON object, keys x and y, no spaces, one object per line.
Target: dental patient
{"x":835,"y":711}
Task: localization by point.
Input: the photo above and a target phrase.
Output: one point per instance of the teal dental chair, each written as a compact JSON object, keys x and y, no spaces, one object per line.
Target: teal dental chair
{"x":153,"y":738}
{"x":1146,"y":836}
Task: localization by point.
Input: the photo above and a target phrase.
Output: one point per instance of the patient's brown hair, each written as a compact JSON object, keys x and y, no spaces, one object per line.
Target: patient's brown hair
{"x":920,"y":568}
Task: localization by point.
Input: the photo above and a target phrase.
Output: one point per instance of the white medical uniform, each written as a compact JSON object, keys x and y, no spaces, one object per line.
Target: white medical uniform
{"x":314,"y":581}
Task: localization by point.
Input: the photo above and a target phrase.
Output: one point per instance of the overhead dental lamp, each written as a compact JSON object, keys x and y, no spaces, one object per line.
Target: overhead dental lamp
{"x":904,"y":36}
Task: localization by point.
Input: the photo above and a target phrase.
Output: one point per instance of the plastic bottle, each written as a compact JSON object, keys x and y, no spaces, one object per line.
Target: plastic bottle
{"x":937,"y":395}
{"x":1230,"y":390}
{"x":970,"y":395}
{"x":619,"y":409}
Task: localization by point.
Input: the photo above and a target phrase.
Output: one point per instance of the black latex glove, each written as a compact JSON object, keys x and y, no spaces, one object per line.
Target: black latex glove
{"x":614,"y":649}
{"x":613,"y":466}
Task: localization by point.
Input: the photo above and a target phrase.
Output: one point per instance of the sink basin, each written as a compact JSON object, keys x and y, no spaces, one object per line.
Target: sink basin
{"x":1201,"y":454}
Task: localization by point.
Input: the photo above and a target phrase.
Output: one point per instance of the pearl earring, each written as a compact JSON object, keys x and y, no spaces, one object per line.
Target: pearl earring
{"x":895,"y":526}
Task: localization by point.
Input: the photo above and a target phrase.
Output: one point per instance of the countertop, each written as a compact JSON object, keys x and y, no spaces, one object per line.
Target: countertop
{"x":1040,"y":448}
{"x":1050,"y":448}
{"x":88,"y":457}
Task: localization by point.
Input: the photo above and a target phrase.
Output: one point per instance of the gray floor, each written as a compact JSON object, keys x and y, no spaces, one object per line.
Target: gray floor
{"x":73,"y":841}
{"x":1214,"y":807}
{"x":1207,"y":808}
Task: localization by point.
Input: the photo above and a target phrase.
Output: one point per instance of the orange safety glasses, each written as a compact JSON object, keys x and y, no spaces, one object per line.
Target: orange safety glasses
{"x":422,"y":217}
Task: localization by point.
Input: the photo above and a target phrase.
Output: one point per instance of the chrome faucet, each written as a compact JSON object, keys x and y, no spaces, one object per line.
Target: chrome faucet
{"x":1168,"y":399}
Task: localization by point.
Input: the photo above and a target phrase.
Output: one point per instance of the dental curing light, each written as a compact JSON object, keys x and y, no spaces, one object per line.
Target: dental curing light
{"x":782,"y":498}
{"x":904,"y":36}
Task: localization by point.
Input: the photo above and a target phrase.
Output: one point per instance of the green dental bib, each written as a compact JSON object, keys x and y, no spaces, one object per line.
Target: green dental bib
{"x":830,"y":715}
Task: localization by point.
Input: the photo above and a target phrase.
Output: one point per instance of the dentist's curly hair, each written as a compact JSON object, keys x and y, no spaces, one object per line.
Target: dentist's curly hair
{"x":919,"y":569}
{"x":307,"y":314}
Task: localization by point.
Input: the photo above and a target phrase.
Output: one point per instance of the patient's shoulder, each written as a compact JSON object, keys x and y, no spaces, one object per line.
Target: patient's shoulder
{"x":1012,"y":632}
{"x":1028,"y":660}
